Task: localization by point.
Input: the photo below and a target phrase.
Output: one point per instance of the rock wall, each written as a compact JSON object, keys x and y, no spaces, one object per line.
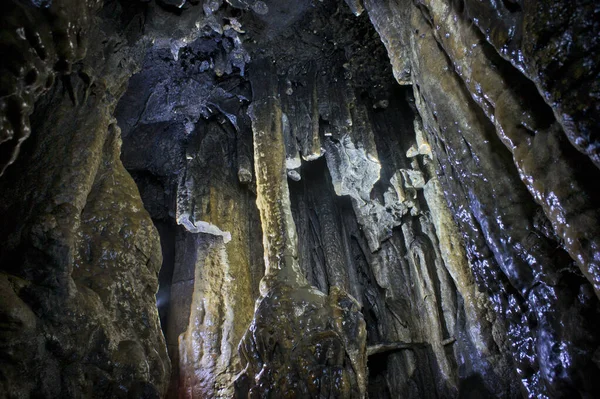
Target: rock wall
{"x":81,"y":256}
{"x":367,"y":207}
{"x":379,"y":198}
{"x":505,"y":135}
{"x":41,"y":39}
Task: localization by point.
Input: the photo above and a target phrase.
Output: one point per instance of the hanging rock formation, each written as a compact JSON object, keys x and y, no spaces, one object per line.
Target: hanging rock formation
{"x":350,"y":199}
{"x":301,"y":341}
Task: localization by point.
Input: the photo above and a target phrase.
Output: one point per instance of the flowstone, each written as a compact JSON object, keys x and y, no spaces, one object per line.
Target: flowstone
{"x":304,"y":344}
{"x":301,"y":342}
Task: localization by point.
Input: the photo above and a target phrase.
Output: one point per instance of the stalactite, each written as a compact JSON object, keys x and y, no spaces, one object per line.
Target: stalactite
{"x":359,"y":198}
{"x":300,"y":339}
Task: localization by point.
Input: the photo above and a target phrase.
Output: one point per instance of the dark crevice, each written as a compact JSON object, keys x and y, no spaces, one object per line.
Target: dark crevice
{"x":512,"y":5}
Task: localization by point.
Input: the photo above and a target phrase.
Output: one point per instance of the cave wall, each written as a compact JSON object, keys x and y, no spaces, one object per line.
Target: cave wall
{"x":344,"y":115}
{"x":80,"y":255}
{"x":419,"y":177}
{"x":505,"y":132}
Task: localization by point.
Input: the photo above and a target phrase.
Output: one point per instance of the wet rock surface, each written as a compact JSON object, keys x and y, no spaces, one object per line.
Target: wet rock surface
{"x":304,"y":343}
{"x":480,"y":123}
{"x":41,"y":39}
{"x":79,"y":263}
{"x":80,"y":255}
{"x":378,"y":198}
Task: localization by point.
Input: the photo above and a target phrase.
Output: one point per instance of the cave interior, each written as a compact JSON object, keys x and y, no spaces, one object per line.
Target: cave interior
{"x":299,"y":199}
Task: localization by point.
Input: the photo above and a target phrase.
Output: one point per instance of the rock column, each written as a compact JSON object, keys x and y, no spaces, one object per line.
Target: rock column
{"x":301,"y":342}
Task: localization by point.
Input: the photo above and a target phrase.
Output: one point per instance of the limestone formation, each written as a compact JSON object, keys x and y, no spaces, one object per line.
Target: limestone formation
{"x":301,"y":342}
{"x":313,"y":199}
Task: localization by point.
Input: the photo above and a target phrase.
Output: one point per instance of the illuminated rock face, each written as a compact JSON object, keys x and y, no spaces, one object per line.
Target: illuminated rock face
{"x":360,"y":198}
{"x":306,"y":344}
{"x":509,"y":167}
{"x":224,"y":268}
{"x":301,"y":341}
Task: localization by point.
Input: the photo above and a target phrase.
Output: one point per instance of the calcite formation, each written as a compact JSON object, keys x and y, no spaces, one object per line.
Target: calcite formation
{"x":329,"y":199}
{"x":222,"y":303}
{"x":301,"y":342}
{"x":470,"y":69}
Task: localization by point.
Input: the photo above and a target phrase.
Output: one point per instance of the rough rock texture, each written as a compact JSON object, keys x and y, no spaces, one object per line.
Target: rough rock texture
{"x":41,"y":39}
{"x":79,"y":263}
{"x":193,"y":162}
{"x":519,"y":191}
{"x":80,"y":255}
{"x":227,"y":277}
{"x":325,"y":230}
{"x":387,"y":237}
{"x":301,"y":342}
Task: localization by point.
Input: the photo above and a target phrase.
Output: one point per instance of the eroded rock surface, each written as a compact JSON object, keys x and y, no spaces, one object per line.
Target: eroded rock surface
{"x":301,"y":341}
{"x":193,"y":163}
{"x":80,"y":264}
{"x":80,"y":255}
{"x":421,"y":176}
{"x":41,"y":39}
{"x":304,"y":343}
{"x":489,"y":127}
